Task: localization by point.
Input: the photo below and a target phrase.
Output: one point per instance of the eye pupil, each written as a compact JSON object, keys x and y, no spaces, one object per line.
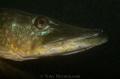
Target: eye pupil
{"x":41,"y":22}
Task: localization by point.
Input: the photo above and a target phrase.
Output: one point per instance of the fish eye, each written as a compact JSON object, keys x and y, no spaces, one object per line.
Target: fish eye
{"x":41,"y":22}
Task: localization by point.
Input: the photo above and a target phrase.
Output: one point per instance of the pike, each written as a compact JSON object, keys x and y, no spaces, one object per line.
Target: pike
{"x":25,"y":36}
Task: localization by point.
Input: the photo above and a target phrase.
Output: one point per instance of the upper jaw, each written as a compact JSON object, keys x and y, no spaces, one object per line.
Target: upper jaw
{"x":94,"y":35}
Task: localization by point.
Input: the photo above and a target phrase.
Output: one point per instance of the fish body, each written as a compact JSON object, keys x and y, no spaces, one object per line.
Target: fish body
{"x":25,"y":36}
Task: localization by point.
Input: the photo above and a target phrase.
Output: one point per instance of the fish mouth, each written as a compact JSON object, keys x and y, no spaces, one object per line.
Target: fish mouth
{"x":82,"y":44}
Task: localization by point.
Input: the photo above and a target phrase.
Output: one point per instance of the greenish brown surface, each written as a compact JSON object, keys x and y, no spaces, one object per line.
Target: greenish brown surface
{"x":25,"y":36}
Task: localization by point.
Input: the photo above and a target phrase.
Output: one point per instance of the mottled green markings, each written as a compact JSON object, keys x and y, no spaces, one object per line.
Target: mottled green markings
{"x":25,"y":36}
{"x":14,"y":25}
